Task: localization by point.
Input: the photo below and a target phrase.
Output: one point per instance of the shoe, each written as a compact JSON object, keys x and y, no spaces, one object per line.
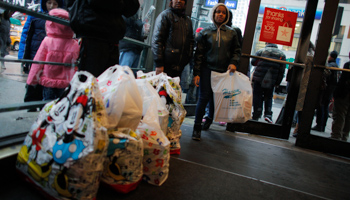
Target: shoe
{"x":207,"y":123}
{"x":196,"y":134}
{"x":269,"y":120}
{"x":318,"y":128}
{"x":222,"y":123}
{"x":295,"y":132}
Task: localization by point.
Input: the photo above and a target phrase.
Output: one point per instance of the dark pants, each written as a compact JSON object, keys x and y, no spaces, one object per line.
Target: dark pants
{"x":52,"y":93}
{"x":322,"y":111}
{"x":205,"y":96}
{"x":341,"y":118}
{"x":261,"y":95}
{"x":97,"y":55}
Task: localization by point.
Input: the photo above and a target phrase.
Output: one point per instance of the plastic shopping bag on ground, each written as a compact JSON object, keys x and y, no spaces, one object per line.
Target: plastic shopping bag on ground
{"x":156,"y":147}
{"x":121,"y":97}
{"x":148,"y":91}
{"x":64,"y":150}
{"x":123,"y":167}
{"x":232,"y":97}
{"x":169,"y":89}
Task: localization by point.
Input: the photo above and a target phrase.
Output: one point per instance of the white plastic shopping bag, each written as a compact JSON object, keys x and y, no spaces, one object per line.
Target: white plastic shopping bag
{"x":169,"y":88}
{"x":156,"y":146}
{"x":64,"y":150}
{"x":232,"y":97}
{"x":121,"y":97}
{"x":148,"y":91}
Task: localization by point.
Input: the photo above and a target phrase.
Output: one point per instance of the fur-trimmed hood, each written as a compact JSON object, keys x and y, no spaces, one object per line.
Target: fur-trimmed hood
{"x":212,"y":13}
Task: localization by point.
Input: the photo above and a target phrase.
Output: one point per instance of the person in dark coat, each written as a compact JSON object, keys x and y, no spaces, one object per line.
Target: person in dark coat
{"x":172,"y":42}
{"x":264,"y":85}
{"x":130,"y":52}
{"x":34,"y":32}
{"x":341,"y":109}
{"x":219,"y":50}
{"x":330,"y":79}
{"x":5,"y":40}
{"x":100,"y":25}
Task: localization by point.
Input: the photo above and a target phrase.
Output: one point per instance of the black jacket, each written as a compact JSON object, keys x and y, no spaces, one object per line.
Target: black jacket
{"x":36,"y":34}
{"x":172,"y":41}
{"x":210,"y":55}
{"x":343,"y":86}
{"x":134,"y":31}
{"x":262,"y":66}
{"x":100,"y":19}
{"x":332,"y":78}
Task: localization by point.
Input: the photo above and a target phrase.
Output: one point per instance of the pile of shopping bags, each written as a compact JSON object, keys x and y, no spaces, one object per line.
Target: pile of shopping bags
{"x":114,"y":129}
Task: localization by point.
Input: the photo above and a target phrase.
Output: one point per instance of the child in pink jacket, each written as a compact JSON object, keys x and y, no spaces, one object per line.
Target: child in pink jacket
{"x":57,"y":46}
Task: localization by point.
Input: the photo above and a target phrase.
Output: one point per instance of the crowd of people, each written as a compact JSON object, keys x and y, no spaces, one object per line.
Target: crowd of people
{"x":95,"y":41}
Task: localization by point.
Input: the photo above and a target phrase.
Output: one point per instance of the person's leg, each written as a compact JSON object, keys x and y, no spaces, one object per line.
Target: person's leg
{"x":339,"y":117}
{"x":129,"y":58}
{"x":346,"y":128}
{"x":48,"y":94}
{"x":257,"y":100}
{"x":58,"y":92}
{"x":204,"y":96}
{"x":268,"y":96}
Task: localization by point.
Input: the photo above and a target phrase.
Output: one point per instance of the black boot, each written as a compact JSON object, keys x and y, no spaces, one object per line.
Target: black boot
{"x":207,"y":123}
{"x":196,"y":134}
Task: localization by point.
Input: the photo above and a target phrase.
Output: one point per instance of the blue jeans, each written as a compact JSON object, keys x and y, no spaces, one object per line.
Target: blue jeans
{"x":205,"y":96}
{"x":129,"y":58}
{"x":261,"y":95}
{"x":52,"y":93}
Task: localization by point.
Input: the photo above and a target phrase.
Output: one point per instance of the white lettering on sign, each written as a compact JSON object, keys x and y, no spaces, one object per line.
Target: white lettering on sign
{"x":277,"y":16}
{"x":212,"y":2}
{"x":20,"y":2}
{"x":231,"y":5}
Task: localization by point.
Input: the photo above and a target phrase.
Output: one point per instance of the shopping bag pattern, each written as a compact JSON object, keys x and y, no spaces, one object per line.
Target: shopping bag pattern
{"x":156,"y":146}
{"x":123,"y":166}
{"x":232,"y":97}
{"x":156,"y":155}
{"x":64,"y":150}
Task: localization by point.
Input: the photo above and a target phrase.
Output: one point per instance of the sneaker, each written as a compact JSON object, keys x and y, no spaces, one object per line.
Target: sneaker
{"x":222,"y":123}
{"x":196,"y":134}
{"x":207,"y":123}
{"x":269,"y":120}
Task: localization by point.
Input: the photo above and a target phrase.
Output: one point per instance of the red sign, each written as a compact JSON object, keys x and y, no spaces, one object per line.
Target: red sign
{"x":278,"y":26}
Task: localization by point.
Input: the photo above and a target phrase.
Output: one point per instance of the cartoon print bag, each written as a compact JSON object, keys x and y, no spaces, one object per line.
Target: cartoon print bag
{"x":64,"y":150}
{"x":156,"y":146}
{"x":121,"y":96}
{"x":232,"y":97}
{"x":123,"y":167}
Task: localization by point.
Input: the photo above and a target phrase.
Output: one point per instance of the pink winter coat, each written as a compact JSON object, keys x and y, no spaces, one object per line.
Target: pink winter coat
{"x":57,"y":46}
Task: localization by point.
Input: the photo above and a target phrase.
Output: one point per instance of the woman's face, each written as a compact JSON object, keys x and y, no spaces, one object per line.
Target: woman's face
{"x":51,"y":4}
{"x":220,"y":15}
